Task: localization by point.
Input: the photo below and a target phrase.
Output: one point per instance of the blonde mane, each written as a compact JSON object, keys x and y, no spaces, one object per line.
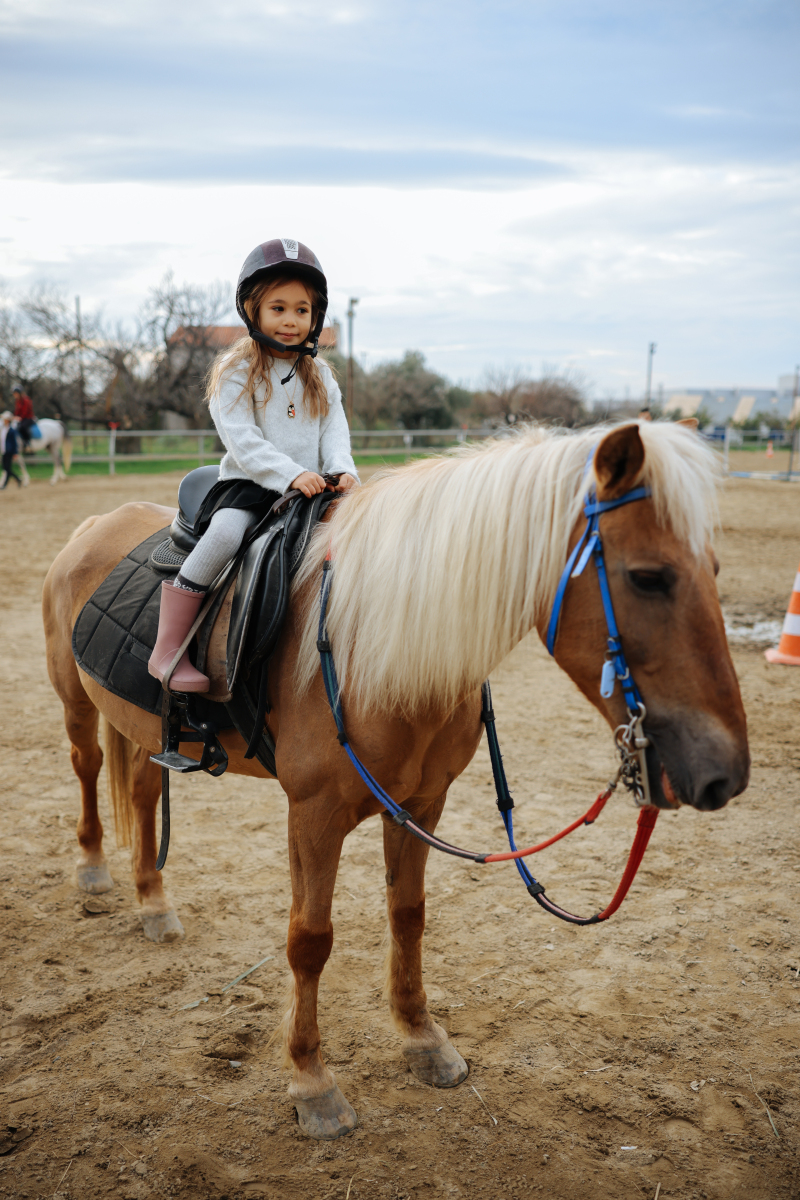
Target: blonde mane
{"x":443,"y":565}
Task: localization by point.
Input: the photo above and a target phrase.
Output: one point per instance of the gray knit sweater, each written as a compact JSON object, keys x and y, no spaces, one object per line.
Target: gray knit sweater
{"x":264,"y":443}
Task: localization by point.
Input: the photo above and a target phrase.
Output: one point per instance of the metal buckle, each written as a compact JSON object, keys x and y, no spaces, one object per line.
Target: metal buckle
{"x":632,"y":743}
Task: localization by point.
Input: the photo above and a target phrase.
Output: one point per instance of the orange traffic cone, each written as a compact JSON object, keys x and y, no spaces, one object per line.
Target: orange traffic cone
{"x":789,"y":647}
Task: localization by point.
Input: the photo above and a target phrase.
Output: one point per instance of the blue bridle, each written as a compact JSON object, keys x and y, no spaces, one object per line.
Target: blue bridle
{"x":589,"y":545}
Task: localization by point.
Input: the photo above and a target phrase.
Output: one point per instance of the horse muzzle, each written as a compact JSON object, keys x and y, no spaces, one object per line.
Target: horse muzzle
{"x":694,"y":761}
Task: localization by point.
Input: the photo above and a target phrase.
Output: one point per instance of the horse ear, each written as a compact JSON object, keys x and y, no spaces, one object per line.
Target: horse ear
{"x":689,"y":422}
{"x":618,"y":462}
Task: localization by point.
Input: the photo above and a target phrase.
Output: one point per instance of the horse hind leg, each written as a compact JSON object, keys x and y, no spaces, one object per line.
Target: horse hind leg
{"x":429,"y":1054}
{"x":81,"y":720}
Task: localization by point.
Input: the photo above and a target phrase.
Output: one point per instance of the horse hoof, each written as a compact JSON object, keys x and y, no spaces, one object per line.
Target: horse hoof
{"x":327,"y":1116}
{"x":441,"y":1067}
{"x":162,"y":927}
{"x":94,"y":879}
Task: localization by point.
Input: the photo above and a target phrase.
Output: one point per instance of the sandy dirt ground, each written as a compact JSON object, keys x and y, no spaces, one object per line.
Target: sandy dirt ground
{"x":655,"y":1054}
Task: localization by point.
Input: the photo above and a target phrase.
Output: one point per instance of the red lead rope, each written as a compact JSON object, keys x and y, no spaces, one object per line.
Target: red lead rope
{"x":644,"y":827}
{"x":648,"y":816}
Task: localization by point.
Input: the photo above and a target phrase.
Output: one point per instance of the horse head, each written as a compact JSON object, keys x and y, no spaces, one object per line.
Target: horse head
{"x":664,"y":594}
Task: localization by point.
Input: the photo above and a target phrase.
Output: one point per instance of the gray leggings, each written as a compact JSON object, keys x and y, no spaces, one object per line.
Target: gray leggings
{"x":217,"y":546}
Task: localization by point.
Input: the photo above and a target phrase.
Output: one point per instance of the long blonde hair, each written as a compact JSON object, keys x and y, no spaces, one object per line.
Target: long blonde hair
{"x":259,"y":359}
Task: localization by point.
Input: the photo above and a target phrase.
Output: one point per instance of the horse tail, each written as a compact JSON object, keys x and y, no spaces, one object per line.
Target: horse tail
{"x":119,"y":768}
{"x":66,"y":448}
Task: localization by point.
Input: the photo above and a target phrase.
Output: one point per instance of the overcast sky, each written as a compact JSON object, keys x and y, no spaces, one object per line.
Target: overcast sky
{"x":499,"y":183}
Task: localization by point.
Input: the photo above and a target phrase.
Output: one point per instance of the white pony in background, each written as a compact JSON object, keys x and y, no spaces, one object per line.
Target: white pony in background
{"x":53,"y":437}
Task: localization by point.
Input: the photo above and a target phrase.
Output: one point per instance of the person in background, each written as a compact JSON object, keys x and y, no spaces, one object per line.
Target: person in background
{"x":23,"y":411}
{"x":8,"y":447}
{"x":644,"y":413}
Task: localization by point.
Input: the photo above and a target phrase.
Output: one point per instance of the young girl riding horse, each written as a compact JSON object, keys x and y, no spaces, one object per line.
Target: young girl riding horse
{"x":282,"y":427}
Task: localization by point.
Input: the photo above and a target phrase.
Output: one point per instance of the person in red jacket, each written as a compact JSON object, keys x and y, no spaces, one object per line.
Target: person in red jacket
{"x":23,"y":411}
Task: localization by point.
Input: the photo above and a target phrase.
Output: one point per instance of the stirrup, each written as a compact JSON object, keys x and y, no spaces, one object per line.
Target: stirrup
{"x":177,"y":709}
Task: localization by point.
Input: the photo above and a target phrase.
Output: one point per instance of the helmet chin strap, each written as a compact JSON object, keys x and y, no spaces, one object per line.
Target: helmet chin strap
{"x":271,"y":344}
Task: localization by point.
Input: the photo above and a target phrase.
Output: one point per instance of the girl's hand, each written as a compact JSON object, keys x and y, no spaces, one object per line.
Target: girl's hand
{"x":346,"y":482}
{"x":309,"y":483}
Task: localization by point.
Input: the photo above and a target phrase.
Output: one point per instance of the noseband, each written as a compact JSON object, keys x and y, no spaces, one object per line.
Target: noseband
{"x":630,"y":740}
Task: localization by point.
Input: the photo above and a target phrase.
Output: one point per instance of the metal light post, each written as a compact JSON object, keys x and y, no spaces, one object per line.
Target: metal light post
{"x":351,"y":312}
{"x":81,"y":381}
{"x":651,"y":349}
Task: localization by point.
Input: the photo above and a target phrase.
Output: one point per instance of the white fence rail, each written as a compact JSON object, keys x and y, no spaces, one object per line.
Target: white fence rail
{"x":179,"y":445}
{"x":201,"y":445}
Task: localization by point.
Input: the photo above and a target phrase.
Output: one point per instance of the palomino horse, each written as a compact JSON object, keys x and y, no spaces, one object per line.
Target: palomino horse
{"x":441,"y":567}
{"x":56,"y":441}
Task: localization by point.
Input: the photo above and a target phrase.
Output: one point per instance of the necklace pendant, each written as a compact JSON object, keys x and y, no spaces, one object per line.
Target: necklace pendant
{"x":290,"y":411}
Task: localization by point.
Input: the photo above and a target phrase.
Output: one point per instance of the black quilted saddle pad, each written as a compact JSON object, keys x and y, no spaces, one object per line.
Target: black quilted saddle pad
{"x":116,"y":630}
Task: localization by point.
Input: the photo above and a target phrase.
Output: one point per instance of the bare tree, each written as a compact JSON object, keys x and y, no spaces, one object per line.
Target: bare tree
{"x":179,"y":328}
{"x":22,"y":363}
{"x":509,"y":396}
{"x":499,"y":398}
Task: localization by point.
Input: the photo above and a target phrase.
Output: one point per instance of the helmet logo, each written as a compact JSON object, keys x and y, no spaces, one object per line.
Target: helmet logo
{"x":290,"y":247}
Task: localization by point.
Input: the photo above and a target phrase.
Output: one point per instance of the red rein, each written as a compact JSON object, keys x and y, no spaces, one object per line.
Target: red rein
{"x":648,"y":816}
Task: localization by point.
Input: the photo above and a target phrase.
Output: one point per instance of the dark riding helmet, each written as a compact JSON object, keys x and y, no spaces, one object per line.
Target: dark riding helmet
{"x":283,"y":256}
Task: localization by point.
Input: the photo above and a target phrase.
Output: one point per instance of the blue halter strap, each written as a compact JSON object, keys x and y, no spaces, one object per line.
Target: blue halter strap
{"x":590,"y":545}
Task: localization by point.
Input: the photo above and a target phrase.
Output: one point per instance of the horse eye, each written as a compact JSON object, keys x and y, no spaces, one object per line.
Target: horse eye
{"x":653,"y":583}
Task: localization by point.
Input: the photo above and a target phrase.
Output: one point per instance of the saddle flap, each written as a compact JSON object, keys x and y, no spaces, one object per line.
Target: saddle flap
{"x":245,"y":595}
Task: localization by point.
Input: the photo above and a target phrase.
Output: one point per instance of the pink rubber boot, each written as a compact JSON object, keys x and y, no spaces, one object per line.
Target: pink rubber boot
{"x":179,"y":608}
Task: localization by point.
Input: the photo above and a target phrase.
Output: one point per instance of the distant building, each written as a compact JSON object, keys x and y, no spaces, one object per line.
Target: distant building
{"x":722,"y":405}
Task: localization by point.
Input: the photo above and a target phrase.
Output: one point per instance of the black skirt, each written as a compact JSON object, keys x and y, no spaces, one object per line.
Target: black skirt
{"x":234,"y":493}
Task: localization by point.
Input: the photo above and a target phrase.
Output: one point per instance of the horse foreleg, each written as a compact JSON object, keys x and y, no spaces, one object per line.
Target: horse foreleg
{"x":157,"y":913}
{"x":426,"y":1048}
{"x":314,"y":850}
{"x":80,"y":719}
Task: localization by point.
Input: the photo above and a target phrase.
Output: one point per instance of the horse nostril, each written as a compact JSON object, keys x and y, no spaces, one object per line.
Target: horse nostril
{"x":714,"y":795}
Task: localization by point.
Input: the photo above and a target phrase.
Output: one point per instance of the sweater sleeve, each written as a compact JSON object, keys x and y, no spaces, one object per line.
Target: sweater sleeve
{"x":250,"y":452}
{"x":334,"y":436}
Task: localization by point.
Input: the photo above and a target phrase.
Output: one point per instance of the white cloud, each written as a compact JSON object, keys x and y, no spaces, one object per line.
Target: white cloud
{"x":580,"y":269}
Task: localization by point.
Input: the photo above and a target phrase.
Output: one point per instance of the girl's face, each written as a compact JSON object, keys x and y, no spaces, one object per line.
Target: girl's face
{"x":285,"y":314}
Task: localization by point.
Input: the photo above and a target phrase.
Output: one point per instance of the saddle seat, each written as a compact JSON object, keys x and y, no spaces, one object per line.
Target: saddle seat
{"x":192,"y":491}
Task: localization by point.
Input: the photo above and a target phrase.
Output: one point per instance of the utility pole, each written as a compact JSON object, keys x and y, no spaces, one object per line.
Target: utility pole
{"x":351,"y":312}
{"x":651,"y":349}
{"x":81,"y":382}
